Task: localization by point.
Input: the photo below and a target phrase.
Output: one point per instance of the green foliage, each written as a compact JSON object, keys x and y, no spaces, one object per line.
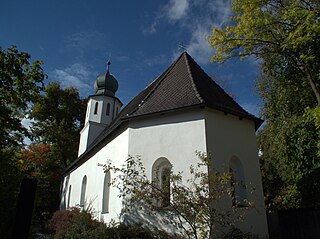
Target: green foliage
{"x":191,"y":206}
{"x":315,"y":114}
{"x":288,"y":142}
{"x":73,"y":224}
{"x":38,"y":161}
{"x":284,"y":34}
{"x":20,"y":80}
{"x":10,"y":179}
{"x":59,"y":116}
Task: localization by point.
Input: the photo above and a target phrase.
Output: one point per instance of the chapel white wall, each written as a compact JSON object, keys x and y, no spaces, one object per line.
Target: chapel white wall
{"x":173,"y":136}
{"x":117,"y":152}
{"x":176,"y":137}
{"x":228,"y":136}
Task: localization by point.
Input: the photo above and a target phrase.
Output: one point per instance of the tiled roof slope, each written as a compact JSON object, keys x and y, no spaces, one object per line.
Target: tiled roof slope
{"x":184,"y":84}
{"x":211,"y":93}
{"x":174,"y":89}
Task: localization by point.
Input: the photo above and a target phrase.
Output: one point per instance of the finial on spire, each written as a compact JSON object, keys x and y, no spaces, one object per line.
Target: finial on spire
{"x":108,"y":66}
{"x":108,"y":63}
{"x":182,"y":47}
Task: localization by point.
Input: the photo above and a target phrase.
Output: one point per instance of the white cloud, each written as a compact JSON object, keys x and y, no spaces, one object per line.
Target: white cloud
{"x":197,"y":18}
{"x":198,"y":47}
{"x":220,"y":11}
{"x":211,"y":14}
{"x":76,"y":75}
{"x":176,"y":9}
{"x":173,"y":11}
{"x":27,"y":123}
{"x":151,"y":29}
{"x":86,"y":39}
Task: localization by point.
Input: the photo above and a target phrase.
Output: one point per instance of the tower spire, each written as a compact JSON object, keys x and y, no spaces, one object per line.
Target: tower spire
{"x":109,"y":63}
{"x":102,"y":108}
{"x":106,"y":84}
{"x":108,"y":66}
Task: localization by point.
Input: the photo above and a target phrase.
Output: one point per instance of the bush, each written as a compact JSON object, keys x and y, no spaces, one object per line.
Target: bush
{"x":72,"y":224}
{"x":236,"y":233}
{"x":76,"y":224}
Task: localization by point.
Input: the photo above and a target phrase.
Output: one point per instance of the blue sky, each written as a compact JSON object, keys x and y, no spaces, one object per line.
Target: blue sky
{"x":75,"y":39}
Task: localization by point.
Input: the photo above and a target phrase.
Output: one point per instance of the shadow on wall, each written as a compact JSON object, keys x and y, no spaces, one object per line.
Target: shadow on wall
{"x":161,"y":220}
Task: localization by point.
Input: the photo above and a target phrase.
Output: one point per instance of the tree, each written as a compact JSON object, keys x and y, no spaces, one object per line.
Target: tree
{"x":315,"y":113}
{"x":59,"y":116}
{"x":20,"y":80}
{"x":285,"y":36}
{"x":10,"y":179}
{"x":38,"y":161}
{"x":191,"y":207}
{"x":287,"y":30}
{"x":288,"y":142}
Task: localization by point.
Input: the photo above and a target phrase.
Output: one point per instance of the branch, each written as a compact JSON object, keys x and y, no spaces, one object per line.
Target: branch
{"x":253,"y":40}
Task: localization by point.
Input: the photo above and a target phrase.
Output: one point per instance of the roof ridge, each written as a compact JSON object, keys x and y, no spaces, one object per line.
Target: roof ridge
{"x":160,"y":78}
{"x":192,"y":78}
{"x":217,"y":85}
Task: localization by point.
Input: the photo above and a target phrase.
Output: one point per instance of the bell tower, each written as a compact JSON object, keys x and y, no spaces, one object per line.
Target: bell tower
{"x":102,"y":108}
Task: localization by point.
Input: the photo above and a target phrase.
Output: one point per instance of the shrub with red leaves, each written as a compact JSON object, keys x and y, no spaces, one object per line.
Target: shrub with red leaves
{"x":61,"y":220}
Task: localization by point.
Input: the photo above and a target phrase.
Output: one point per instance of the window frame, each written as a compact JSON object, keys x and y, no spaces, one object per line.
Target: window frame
{"x":96,"y":106}
{"x":83,"y":191}
{"x":69,"y":196}
{"x":158,"y":168}
{"x":106,"y":193}
{"x":239,"y":193}
{"x":108,"y":109}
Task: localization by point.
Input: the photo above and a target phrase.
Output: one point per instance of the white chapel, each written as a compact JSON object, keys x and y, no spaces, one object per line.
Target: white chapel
{"x":182,"y":111}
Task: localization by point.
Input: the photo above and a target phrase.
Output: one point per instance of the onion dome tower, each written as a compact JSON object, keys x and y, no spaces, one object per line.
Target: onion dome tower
{"x":106,"y":84}
{"x":102,"y":108}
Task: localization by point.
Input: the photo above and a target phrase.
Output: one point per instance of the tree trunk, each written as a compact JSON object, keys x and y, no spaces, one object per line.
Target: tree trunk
{"x":314,"y":87}
{"x":304,"y":69}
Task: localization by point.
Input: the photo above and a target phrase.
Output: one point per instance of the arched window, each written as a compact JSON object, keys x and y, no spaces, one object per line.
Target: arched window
{"x":106,"y":192}
{"x":161,"y":171}
{"x":108,"y":109}
{"x":239,"y":194}
{"x":83,"y":191}
{"x":69,"y":195}
{"x":96,"y":108}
